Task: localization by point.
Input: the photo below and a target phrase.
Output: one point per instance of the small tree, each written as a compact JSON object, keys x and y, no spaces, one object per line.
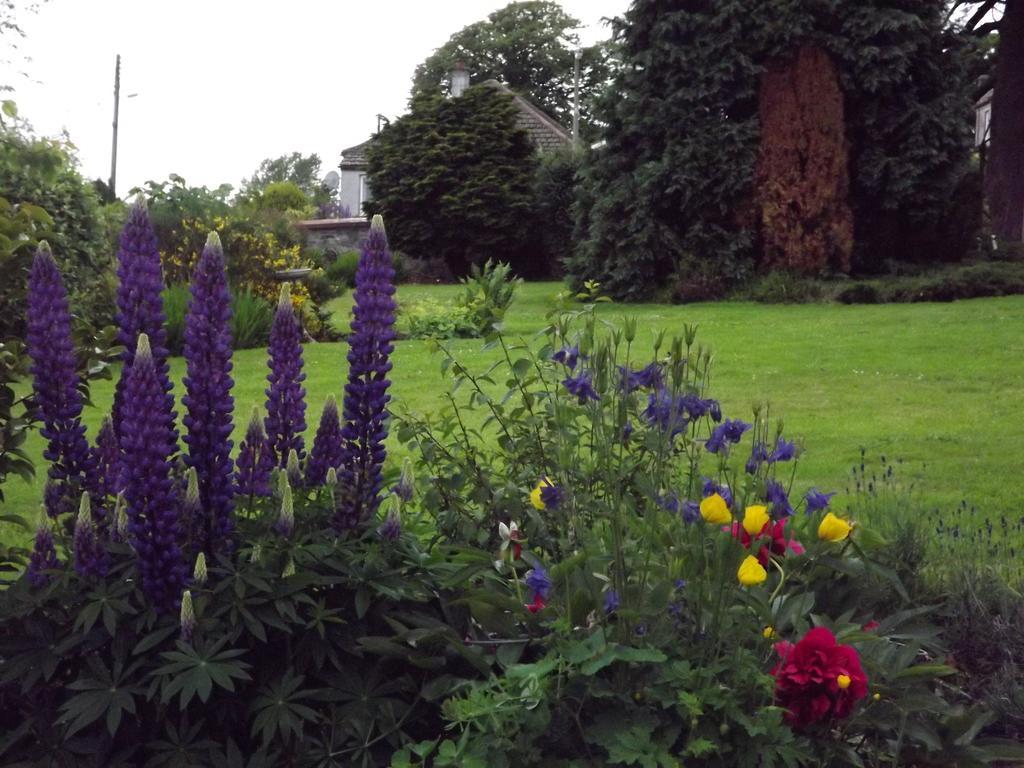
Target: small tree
{"x":454,"y":178}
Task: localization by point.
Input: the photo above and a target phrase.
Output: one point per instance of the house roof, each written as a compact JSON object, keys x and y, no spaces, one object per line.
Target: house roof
{"x":544,"y":132}
{"x":355,"y":157}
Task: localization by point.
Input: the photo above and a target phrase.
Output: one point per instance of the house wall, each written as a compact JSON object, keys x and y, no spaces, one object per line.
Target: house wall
{"x":982,"y":121}
{"x":353,"y":190}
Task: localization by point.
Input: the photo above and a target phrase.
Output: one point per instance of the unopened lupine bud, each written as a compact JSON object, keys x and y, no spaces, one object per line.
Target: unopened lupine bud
{"x":256,"y":555}
{"x":405,"y":487}
{"x":332,"y":477}
{"x":326,"y":452}
{"x":44,"y":554}
{"x":289,"y":568}
{"x":91,"y":559}
{"x":391,"y":528}
{"x":121,"y":518}
{"x":188,"y":617}
{"x":293,"y":469}
{"x":286,"y":517}
{"x":199,"y":574}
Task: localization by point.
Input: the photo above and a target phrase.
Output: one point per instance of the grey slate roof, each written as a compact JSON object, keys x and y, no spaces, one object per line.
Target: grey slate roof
{"x":544,"y":132}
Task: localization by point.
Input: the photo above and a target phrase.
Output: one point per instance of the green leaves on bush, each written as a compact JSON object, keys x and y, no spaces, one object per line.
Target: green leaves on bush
{"x":251,"y":318}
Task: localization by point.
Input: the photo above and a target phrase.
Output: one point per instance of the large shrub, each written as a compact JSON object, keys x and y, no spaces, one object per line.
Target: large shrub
{"x":41,"y":174}
{"x":454,"y":177}
{"x":671,"y":191}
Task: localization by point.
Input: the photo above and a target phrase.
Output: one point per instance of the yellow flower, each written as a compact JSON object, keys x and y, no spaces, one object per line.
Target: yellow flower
{"x":876,"y":697}
{"x":833,"y":528}
{"x":843,"y":681}
{"x":535,"y":494}
{"x":714,"y":510}
{"x":751,"y":572}
{"x":755,"y":519}
{"x":769,"y":633}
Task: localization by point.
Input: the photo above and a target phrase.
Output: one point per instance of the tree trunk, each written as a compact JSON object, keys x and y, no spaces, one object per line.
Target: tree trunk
{"x":801,"y":180}
{"x":1004,"y":173}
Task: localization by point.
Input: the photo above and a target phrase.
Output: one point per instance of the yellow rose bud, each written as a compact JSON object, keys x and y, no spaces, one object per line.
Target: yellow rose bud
{"x":755,"y":519}
{"x":714,"y":510}
{"x":843,"y":681}
{"x":751,"y":572}
{"x":769,"y":633}
{"x":833,"y":528}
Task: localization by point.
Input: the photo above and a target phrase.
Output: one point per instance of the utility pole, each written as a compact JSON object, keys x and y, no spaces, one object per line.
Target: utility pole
{"x":576,"y":100}
{"x":113,"y":150}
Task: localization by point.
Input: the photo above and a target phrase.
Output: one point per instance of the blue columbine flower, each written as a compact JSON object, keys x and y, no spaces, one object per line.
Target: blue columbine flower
{"x":550,"y":495}
{"x":567,"y":356}
{"x":611,"y":601}
{"x":685,"y":508}
{"x":581,"y":387}
{"x":728,"y":432}
{"x":817,"y":501}
{"x":776,"y":494}
{"x":784,"y":451}
{"x":758,"y":455}
{"x":538,"y":582}
{"x":648,"y":377}
{"x":711,"y":487}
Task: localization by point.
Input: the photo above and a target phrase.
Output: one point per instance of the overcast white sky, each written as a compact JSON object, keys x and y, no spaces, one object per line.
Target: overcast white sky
{"x":223,"y":84}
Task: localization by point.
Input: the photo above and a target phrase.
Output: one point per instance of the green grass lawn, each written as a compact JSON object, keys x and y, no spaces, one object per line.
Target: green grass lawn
{"x":939,"y":385}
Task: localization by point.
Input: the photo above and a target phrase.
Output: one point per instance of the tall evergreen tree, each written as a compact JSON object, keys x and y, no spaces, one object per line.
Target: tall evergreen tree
{"x":454,"y":178}
{"x":670,"y":195}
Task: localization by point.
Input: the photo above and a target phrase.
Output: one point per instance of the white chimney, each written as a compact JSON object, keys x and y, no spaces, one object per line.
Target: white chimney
{"x":460,"y":78}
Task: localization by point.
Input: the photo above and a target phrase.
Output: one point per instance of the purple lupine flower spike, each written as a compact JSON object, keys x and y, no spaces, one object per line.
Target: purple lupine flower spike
{"x":326,"y":452}
{"x":187,"y":617}
{"x":148,"y":443}
{"x":286,"y":404}
{"x":194,"y":523}
{"x":208,"y":401}
{"x":91,"y":558}
{"x":140,"y":307}
{"x":255,"y":460}
{"x":286,"y":516}
{"x":55,"y":381}
{"x":44,"y":554}
{"x":391,"y":528}
{"x":293,"y":469}
{"x":366,"y":398}
{"x":105,"y":483}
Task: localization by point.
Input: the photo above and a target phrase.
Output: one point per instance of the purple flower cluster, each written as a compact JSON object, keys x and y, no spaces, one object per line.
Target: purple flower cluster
{"x":611,"y":602}
{"x":729,"y":432}
{"x":686,"y":508}
{"x":758,"y":455}
{"x":673,"y":413}
{"x":55,"y":381}
{"x":567,"y":356}
{"x":286,"y":398}
{"x":208,"y":402}
{"x":648,"y":377}
{"x":106,"y":461}
{"x":255,"y":460}
{"x":391,"y":528}
{"x":784,"y":451}
{"x":148,"y":443}
{"x":43,"y":557}
{"x":775,"y":492}
{"x":711,"y":487}
{"x":366,"y":398}
{"x":326,"y":452}
{"x":91,"y":558}
{"x":817,"y":501}
{"x":581,"y":386}
{"x":140,"y":307}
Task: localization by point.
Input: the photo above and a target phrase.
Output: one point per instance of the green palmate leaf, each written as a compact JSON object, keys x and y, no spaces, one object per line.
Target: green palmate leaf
{"x":193,"y":671}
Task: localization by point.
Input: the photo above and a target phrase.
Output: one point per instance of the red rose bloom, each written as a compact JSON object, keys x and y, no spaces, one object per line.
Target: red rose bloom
{"x":818,"y":679}
{"x":774,"y":530}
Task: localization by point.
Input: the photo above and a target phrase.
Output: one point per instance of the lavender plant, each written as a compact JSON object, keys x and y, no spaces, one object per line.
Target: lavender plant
{"x":286,"y":404}
{"x":208,"y":401}
{"x":366,"y":398}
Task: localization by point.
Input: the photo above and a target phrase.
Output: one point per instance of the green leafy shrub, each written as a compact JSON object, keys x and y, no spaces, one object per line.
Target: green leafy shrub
{"x":487,"y":292}
{"x":784,"y":288}
{"x":322,"y":288}
{"x":343,"y":269}
{"x":859,"y":293}
{"x":251,"y":318}
{"x":284,"y":196}
{"x":431,"y":319}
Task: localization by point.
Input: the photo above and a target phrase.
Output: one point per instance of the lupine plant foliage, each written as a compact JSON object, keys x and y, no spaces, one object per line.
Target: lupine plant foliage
{"x":609,"y":571}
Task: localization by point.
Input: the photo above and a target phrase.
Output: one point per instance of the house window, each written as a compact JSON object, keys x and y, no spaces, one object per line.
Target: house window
{"x":364,"y":191}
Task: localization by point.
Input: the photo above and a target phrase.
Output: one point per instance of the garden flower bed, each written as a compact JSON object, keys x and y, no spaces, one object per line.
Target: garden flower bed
{"x":608,"y":570}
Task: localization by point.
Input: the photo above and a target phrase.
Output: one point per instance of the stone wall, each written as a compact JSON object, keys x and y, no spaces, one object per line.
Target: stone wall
{"x":335,"y":235}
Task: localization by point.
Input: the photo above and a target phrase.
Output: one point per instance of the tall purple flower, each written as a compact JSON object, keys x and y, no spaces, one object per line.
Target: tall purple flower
{"x":208,"y":401}
{"x":286,"y":403}
{"x":255,"y":460}
{"x":326,"y":451}
{"x":140,"y":307}
{"x":91,"y":558}
{"x":148,"y":443}
{"x":366,"y":398}
{"x":55,"y":378}
{"x":105,"y":483}
{"x":44,"y":555}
